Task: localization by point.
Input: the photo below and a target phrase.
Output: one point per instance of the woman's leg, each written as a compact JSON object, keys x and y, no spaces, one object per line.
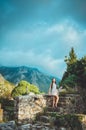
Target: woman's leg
{"x":53,"y":101}
{"x":56,"y":100}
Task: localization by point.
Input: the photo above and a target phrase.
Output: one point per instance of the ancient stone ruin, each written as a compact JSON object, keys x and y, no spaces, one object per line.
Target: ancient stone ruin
{"x":35,"y":112}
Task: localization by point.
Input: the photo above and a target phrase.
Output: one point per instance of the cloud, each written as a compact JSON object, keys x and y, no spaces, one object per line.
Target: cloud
{"x":44,"y":46}
{"x":17,"y":13}
{"x":69,"y":33}
{"x":65,"y":32}
{"x":41,"y":33}
{"x":48,"y":63}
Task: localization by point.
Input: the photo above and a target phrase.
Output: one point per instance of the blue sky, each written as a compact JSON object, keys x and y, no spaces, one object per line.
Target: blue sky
{"x":40,"y":33}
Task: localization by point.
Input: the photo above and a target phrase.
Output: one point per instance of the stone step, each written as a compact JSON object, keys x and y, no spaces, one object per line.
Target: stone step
{"x":64,"y":99}
{"x":51,"y":109}
{"x":68,"y":96}
{"x":61,"y":99}
{"x":62,"y":103}
{"x":52,"y":114}
{"x":44,"y":119}
{"x":47,"y":119}
{"x":58,"y":110}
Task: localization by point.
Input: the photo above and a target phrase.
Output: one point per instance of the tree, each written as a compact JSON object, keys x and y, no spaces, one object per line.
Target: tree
{"x":69,"y":78}
{"x":76,"y":70}
{"x":72,"y":57}
{"x":75,"y":74}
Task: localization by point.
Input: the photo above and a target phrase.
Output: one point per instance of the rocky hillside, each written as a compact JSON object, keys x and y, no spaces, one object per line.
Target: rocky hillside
{"x":5,"y":87}
{"x":32,"y":75}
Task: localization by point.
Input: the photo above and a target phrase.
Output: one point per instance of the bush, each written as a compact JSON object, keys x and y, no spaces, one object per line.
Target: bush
{"x":24,"y":88}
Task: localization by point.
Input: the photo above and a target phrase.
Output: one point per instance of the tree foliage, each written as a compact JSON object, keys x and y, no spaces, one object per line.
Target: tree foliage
{"x":75,"y":74}
{"x":72,"y":57}
{"x":24,"y":88}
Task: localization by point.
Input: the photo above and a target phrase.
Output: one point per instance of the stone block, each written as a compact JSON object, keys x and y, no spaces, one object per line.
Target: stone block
{"x":1,"y":115}
{"x":8,"y":126}
{"x":0,"y":105}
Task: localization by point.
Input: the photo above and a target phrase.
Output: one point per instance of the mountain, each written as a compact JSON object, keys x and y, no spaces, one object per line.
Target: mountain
{"x":5,"y":87}
{"x":32,"y":75}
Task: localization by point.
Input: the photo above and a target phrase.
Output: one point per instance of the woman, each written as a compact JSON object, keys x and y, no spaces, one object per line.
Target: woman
{"x":53,"y":91}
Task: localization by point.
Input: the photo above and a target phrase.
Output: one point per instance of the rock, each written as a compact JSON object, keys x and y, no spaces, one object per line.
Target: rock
{"x":31,"y":94}
{"x":8,"y":126}
{"x":44,"y":119}
{"x":25,"y":127}
{"x":62,"y":128}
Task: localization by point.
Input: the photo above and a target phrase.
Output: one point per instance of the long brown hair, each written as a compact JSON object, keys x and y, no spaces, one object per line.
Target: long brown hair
{"x":52,"y":83}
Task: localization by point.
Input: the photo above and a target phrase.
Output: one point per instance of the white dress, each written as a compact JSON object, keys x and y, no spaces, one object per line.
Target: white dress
{"x":54,"y":90}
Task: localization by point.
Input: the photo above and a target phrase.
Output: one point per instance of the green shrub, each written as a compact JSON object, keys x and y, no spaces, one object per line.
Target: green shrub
{"x":24,"y":88}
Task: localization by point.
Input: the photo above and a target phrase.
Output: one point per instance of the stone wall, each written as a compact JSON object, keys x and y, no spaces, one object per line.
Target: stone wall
{"x":27,"y":107}
{"x":39,"y":107}
{"x":70,"y":104}
{"x":1,"y":114}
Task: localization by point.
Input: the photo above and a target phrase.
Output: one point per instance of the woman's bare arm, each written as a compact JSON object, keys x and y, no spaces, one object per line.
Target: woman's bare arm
{"x":49,"y":92}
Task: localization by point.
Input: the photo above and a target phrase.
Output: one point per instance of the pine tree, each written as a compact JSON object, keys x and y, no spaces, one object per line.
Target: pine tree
{"x":72,"y":57}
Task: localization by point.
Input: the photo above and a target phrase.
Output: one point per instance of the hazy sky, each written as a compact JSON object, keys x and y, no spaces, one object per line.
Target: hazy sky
{"x":40,"y":33}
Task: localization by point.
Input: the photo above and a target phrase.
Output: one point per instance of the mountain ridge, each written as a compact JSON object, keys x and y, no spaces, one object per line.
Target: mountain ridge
{"x":30,"y":74}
